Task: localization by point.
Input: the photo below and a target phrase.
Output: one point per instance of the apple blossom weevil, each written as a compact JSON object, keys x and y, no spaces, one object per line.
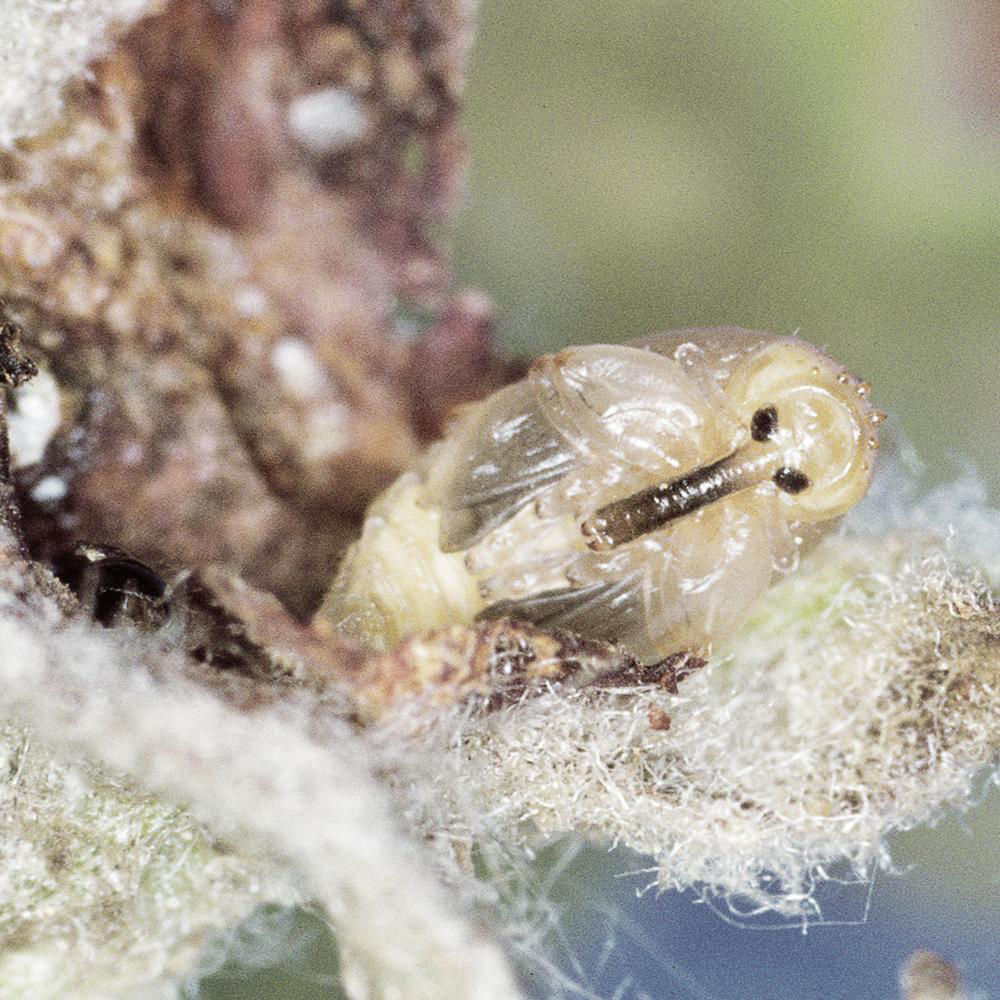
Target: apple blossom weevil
{"x":646,"y":494}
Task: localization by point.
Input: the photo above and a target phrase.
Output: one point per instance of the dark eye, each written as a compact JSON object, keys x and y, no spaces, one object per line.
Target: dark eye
{"x":790,"y":480}
{"x":763,"y":423}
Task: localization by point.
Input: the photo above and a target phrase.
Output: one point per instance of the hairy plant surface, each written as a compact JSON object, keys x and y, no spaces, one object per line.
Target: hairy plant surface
{"x":218,"y":239}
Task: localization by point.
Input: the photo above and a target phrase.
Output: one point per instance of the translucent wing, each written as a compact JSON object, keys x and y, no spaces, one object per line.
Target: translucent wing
{"x":634,"y":407}
{"x":503,"y":454}
{"x":608,"y":610}
{"x":620,"y":409}
{"x":683,"y":588}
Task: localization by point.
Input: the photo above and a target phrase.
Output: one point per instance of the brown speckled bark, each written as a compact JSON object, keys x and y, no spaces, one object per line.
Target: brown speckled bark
{"x":209,"y":252}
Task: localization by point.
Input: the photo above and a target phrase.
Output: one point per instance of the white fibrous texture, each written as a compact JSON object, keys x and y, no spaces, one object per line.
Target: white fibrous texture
{"x":863,"y":697}
{"x":290,"y":801}
{"x":102,"y":887}
{"x":43,"y":45}
{"x":104,"y":890}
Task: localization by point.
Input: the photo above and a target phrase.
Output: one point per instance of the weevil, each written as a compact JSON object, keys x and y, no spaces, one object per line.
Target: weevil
{"x":646,"y":494}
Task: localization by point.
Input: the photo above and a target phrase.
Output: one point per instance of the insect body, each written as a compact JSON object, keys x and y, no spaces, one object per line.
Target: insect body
{"x":646,"y":494}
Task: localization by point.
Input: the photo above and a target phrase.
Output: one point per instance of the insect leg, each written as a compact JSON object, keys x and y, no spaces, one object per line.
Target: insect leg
{"x":610,"y":610}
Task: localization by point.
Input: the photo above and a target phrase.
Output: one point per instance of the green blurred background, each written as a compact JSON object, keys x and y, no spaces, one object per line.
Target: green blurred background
{"x":826,"y":166}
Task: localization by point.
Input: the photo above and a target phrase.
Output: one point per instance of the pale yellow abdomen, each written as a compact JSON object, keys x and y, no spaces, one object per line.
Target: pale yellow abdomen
{"x":395,"y":580}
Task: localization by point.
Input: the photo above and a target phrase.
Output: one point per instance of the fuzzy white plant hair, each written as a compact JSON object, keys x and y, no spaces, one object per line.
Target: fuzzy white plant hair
{"x":106,"y":888}
{"x":807,"y":743}
{"x":260,"y":779}
{"x":862,"y":698}
{"x":46,"y":43}
{"x":140,"y":812}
